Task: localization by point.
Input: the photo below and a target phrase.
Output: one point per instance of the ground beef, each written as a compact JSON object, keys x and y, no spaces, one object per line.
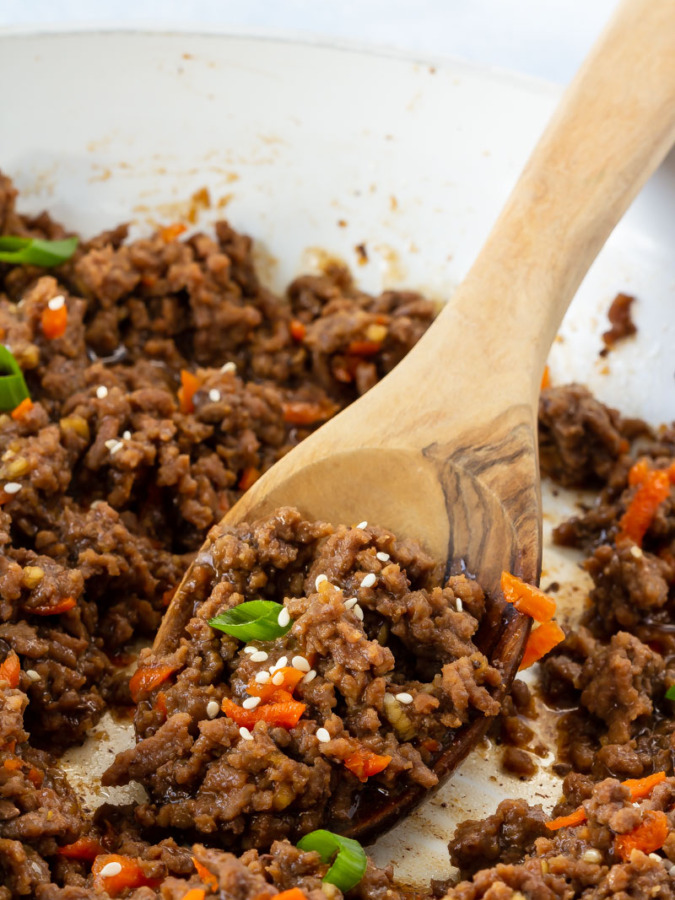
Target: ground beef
{"x":622,"y":325}
{"x":407,"y":637}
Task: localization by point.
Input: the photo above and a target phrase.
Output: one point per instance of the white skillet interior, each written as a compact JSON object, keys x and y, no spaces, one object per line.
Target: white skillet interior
{"x":314,"y":150}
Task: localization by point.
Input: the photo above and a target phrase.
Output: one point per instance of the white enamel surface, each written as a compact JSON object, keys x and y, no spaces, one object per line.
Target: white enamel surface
{"x":314,"y":150}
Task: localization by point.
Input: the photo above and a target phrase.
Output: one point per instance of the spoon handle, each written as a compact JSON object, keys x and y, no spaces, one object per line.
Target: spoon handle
{"x":611,"y":130}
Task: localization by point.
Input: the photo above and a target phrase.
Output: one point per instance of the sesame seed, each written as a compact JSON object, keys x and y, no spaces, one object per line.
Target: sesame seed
{"x":32,"y":674}
{"x":382,"y":556}
{"x":636,"y":551}
{"x":299,"y":662}
{"x":323,"y":735}
{"x":249,"y":649}
{"x":229,"y":367}
{"x":214,"y":395}
{"x":404,"y":697}
{"x":110,"y":444}
{"x":245,"y":733}
{"x":212,"y":709}
{"x":459,"y":605}
{"x":358,"y":612}
{"x":278,"y":678}
{"x":320,"y":580}
{"x":110,"y":869}
{"x":101,"y":392}
{"x":12,"y":487}
{"x":655,"y":857}
{"x":351,"y":603}
{"x":362,"y":525}
{"x":127,"y":435}
{"x":279,"y":664}
{"x":117,"y":445}
{"x":259,"y":656}
{"x":95,"y":504}
{"x":262,"y":677}
{"x":57,"y":302}
{"x":284,"y":618}
{"x":251,"y":702}
{"x":369,"y":580}
{"x":310,"y":676}
{"x":592,"y":856}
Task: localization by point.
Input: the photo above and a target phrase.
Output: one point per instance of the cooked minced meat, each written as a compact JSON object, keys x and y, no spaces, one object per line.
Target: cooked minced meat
{"x":392,"y":674}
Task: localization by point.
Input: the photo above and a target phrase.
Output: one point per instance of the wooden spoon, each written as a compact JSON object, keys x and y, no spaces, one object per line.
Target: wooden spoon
{"x":444,"y":449}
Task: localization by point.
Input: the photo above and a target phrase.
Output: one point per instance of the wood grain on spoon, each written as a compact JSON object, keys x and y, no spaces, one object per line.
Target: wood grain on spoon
{"x":444,"y":448}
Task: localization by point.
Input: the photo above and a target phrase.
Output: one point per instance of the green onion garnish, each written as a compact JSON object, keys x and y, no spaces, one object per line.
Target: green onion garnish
{"x":350,"y":863}
{"x":13,"y":387}
{"x":256,"y":620}
{"x":670,"y":693}
{"x":35,"y":251}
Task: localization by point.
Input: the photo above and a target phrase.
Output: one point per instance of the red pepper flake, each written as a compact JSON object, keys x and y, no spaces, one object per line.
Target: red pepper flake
{"x":146,"y":679}
{"x":364,"y":763}
{"x":364,"y":348}
{"x":292,"y":894}
{"x":83,"y":848}
{"x":189,"y":386}
{"x":545,"y":379}
{"x":248,"y":478}
{"x":299,"y":413}
{"x":55,"y":609}
{"x":171,"y":232}
{"x":194,"y":894}
{"x":205,"y":875}
{"x":22,"y":409}
{"x":654,"y":488}
{"x":130,"y":876}
{"x":10,"y":670}
{"x":298,"y":330}
{"x":160,"y":704}
{"x":285,"y":714}
{"x":540,"y":642}
{"x":526,"y":598}
{"x":54,"y":322}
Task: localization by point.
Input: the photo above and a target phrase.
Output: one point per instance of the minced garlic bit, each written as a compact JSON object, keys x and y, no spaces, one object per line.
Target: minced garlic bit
{"x":126,"y":435}
{"x":212,"y":709}
{"x":114,"y":446}
{"x":369,"y":580}
{"x":592,"y":856}
{"x":214,"y":395}
{"x":310,"y":676}
{"x":229,"y":367}
{"x":459,"y":604}
{"x":101,"y":392}
{"x":32,"y":674}
{"x":284,"y":618}
{"x":636,"y":551}
{"x":262,"y":677}
{"x":320,"y":580}
{"x":358,"y":612}
{"x":363,"y":524}
{"x":57,"y":302}
{"x":12,"y":487}
{"x":323,"y":735}
{"x":259,"y":656}
{"x":382,"y":556}
{"x":245,"y":733}
{"x":251,"y":702}
{"x":300,"y":663}
{"x":110,"y":869}
{"x":351,"y":603}
{"x":404,"y":697}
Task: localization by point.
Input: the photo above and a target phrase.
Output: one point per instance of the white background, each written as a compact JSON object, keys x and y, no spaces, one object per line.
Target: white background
{"x":544,"y":38}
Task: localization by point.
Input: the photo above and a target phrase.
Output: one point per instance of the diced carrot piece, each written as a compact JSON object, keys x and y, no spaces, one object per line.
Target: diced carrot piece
{"x":649,"y":836}
{"x":364,"y":348}
{"x":160,"y":704}
{"x":364,"y":763}
{"x":527,"y":599}
{"x":638,"y":472}
{"x":299,"y":413}
{"x":83,"y":848}
{"x":578,"y":817}
{"x":189,"y":386}
{"x":171,"y":232}
{"x":167,"y":596}
{"x":10,"y":746}
{"x":642,"y":787}
{"x":35,"y":776}
{"x":195,"y":894}
{"x":292,"y":677}
{"x":545,"y":379}
{"x":298,"y":330}
{"x":541,"y":641}
{"x":13,"y":765}
{"x":10,"y":670}
{"x":642,"y":508}
{"x":54,"y":322}
{"x":286,"y":714}
{"x":248,"y":478}
{"x":130,"y":876}
{"x":22,"y":409}
{"x":292,"y":894}
{"x":206,"y":876}
{"x":55,"y":609}
{"x":146,"y":679}
{"x":431,"y":745}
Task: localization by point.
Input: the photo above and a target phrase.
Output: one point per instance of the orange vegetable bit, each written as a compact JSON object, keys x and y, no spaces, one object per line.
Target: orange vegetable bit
{"x":195,"y":894}
{"x":130,"y":876}
{"x":298,"y":330}
{"x":13,"y":765}
{"x":54,"y":322}
{"x":171,"y":232}
{"x":545,"y":379}
{"x":83,"y":848}
{"x":299,"y":413}
{"x":248,"y":478}
{"x":527,"y":599}
{"x":22,"y":409}
{"x":206,"y":876}
{"x":146,"y":679}
{"x":578,"y":817}
{"x":160,"y":704}
{"x":189,"y":385}
{"x":292,"y":894}
{"x":642,"y":787}
{"x":291,"y":678}
{"x":642,"y":508}
{"x":10,"y":670}
{"x":35,"y":777}
{"x":364,"y":763}
{"x":649,"y":836}
{"x":540,"y":642}
{"x":285,"y":714}
{"x":364,"y":348}
{"x":55,"y":609}
{"x":638,"y":472}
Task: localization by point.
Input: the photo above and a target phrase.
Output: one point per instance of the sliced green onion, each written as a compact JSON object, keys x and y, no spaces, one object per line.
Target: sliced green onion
{"x":13,"y":387}
{"x":35,"y":251}
{"x":670,"y":693}
{"x":256,"y":620}
{"x":350,"y":863}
